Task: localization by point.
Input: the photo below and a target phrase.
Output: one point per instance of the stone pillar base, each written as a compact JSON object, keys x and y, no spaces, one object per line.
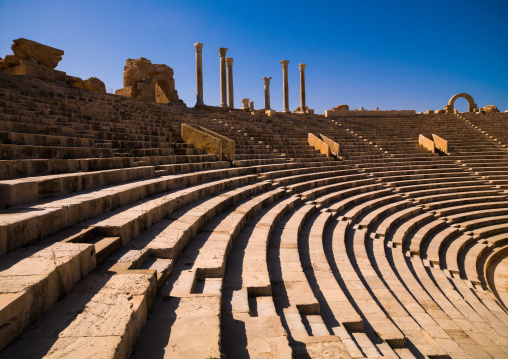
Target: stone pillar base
{"x":270,"y":112}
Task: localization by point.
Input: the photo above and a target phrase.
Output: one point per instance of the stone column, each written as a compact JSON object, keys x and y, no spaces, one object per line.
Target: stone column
{"x":267,"y":92}
{"x":284,"y":64}
{"x":223,"y":87}
{"x":199,"y":73}
{"x":302,"y":87}
{"x":231,"y":100}
{"x":245,"y":104}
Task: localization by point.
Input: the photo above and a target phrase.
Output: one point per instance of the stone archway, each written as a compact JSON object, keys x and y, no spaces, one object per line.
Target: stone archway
{"x":161,"y":88}
{"x":450,"y":107}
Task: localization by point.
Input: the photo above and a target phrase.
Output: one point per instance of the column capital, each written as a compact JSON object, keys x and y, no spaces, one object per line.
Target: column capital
{"x":267,"y":79}
{"x":302,"y":67}
{"x":284,"y":63}
{"x":222,"y":51}
{"x":198,"y":46}
{"x":229,"y":61}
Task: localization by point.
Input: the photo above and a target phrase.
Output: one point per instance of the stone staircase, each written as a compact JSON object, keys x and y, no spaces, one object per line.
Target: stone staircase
{"x":120,"y":240}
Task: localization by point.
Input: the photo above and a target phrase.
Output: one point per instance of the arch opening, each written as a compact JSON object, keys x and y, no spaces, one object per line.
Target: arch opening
{"x":461,"y":105}
{"x":450,"y":107}
{"x":162,"y":92}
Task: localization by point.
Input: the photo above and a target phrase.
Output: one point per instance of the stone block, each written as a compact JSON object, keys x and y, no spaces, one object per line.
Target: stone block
{"x":228,"y":145}
{"x":440,"y":143}
{"x":334,"y":146}
{"x":270,"y":112}
{"x":35,"y":70}
{"x":427,"y":143}
{"x":200,"y":139}
{"x":28,"y":50}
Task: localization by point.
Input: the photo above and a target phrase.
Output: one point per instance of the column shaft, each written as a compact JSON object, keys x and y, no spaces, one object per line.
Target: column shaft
{"x":267,"y":92}
{"x":223,"y":82}
{"x":231,"y":99}
{"x":302,"y":87}
{"x":284,"y":64}
{"x":199,"y":73}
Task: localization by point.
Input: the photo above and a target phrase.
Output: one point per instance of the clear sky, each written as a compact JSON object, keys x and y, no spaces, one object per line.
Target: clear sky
{"x":389,"y":54}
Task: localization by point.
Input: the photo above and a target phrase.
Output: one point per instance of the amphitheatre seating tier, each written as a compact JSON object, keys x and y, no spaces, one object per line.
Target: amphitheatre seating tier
{"x":384,"y":250}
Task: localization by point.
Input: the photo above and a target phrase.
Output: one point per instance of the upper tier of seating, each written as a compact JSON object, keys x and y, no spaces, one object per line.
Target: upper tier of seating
{"x":119,"y":240}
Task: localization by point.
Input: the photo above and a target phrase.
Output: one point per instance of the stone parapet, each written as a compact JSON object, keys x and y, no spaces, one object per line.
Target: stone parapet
{"x":427,"y":143}
{"x":389,"y":113}
{"x":212,"y":142}
{"x":227,"y":144}
{"x":319,"y":144}
{"x":440,"y":143}
{"x":334,"y":146}
{"x":200,"y":139}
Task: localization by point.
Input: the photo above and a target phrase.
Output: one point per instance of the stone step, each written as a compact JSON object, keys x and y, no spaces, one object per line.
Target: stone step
{"x":72,"y":328}
{"x":25,"y":223}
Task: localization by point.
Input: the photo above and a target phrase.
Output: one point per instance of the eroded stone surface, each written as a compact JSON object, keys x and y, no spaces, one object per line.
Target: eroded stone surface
{"x":142,"y":68}
{"x":490,"y":109}
{"x":29,"y":50}
{"x":147,"y":81}
{"x":91,"y":84}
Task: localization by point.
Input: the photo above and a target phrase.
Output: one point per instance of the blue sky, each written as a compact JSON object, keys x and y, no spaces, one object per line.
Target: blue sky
{"x":388,"y":54}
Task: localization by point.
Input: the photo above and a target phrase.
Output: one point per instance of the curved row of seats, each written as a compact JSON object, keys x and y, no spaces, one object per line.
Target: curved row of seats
{"x":386,"y":251}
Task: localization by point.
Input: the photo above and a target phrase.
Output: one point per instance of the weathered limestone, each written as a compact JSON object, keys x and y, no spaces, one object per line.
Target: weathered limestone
{"x":245,"y":104}
{"x":299,"y":110}
{"x":319,"y":144}
{"x":31,"y":51}
{"x":334,"y":146}
{"x":227,"y":144}
{"x":472,"y":105}
{"x":37,"y":60}
{"x":200,"y":139}
{"x":223,"y":80}
{"x":427,"y":143}
{"x":340,"y":108}
{"x":441,"y":143}
{"x":91,"y":84}
{"x":267,"y":92}
{"x":284,"y":64}
{"x":251,"y":105}
{"x":302,"y":88}
{"x":490,"y":109}
{"x":367,"y":113}
{"x":30,"y":69}
{"x":231,"y":99}
{"x":283,"y":253}
{"x":198,"y":46}
{"x":151,"y":82}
